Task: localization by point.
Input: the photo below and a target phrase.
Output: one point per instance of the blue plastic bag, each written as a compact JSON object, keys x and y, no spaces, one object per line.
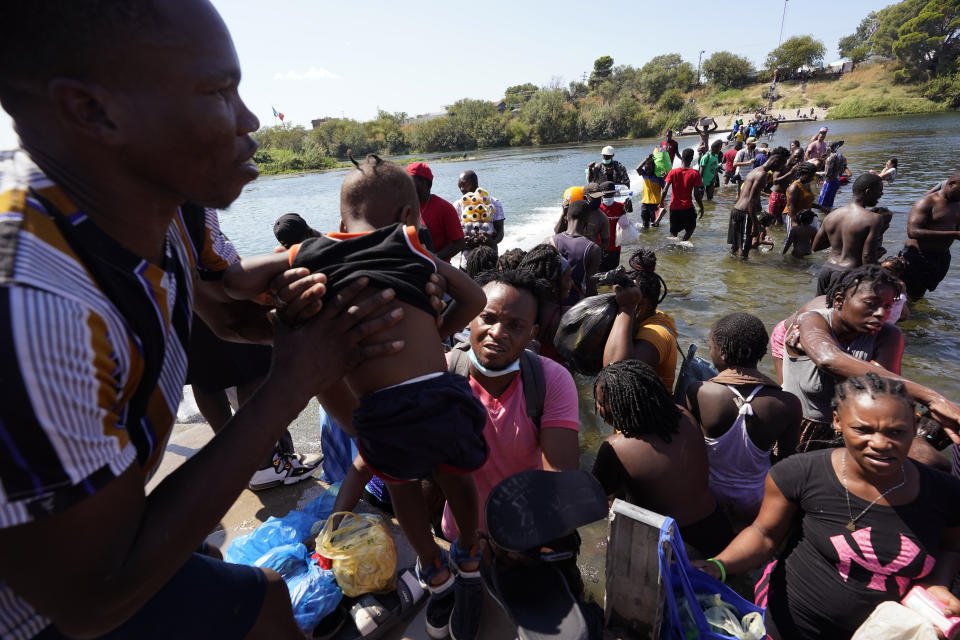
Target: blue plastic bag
{"x":292,"y":528}
{"x":314,"y":593}
{"x":683,"y":616}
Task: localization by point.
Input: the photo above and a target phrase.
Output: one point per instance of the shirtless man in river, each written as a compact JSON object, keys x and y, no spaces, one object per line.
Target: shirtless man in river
{"x":743,"y":217}
{"x":933,"y":225}
{"x":853,"y":233}
{"x":704,"y":133}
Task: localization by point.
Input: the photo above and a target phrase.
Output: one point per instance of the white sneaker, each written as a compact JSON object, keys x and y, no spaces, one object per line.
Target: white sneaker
{"x":287,"y":468}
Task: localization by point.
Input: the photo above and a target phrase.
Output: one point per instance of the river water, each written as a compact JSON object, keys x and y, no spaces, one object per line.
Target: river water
{"x":704,"y":281}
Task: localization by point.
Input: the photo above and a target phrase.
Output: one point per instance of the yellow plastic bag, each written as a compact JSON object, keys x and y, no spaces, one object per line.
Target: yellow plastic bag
{"x":362,"y":552}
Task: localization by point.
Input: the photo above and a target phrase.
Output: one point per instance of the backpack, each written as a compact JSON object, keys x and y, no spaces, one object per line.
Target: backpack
{"x":531,"y":374}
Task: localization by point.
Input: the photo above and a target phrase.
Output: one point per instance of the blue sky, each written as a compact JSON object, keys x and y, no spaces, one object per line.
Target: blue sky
{"x":313,"y":58}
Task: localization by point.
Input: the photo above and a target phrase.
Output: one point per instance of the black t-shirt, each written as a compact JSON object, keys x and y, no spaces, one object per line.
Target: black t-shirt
{"x":833,"y":578}
{"x":392,"y":257}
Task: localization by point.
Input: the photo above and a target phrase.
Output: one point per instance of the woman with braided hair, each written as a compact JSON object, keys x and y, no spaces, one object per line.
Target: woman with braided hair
{"x":867,"y":522}
{"x":639,"y":331}
{"x":743,"y":414}
{"x":657,"y":459}
{"x":545,"y":264}
{"x":849,"y":338}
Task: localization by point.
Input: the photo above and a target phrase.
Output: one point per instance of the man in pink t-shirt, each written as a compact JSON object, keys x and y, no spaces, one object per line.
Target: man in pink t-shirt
{"x":497,"y":338}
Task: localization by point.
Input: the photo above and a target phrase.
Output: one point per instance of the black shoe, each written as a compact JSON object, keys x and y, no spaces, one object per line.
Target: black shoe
{"x":468,"y":591}
{"x":440,"y":605}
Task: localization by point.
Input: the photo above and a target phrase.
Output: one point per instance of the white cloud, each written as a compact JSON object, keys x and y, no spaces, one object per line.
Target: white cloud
{"x":313,"y":73}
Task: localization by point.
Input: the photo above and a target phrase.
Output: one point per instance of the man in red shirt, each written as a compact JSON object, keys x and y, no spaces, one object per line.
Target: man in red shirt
{"x":728,"y":169}
{"x":670,"y":146}
{"x":436,"y":214}
{"x":684,"y":180}
{"x":613,"y":210}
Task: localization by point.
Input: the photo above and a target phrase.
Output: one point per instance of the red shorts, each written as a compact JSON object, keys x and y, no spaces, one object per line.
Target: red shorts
{"x":777,"y":203}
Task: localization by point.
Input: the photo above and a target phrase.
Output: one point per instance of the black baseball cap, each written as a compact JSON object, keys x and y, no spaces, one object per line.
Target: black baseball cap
{"x":291,"y":229}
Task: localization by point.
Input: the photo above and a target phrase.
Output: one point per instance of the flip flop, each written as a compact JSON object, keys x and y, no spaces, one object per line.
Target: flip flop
{"x":371,"y":615}
{"x":531,"y":508}
{"x":537,"y":600}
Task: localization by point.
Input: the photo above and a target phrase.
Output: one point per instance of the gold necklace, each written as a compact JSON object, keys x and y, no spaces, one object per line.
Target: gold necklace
{"x":852,"y":525}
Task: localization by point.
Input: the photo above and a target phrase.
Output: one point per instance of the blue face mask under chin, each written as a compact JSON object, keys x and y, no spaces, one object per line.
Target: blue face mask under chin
{"x":493,"y":373}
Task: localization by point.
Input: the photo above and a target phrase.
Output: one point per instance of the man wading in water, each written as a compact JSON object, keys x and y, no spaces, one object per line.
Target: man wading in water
{"x":853,"y":233}
{"x":933,"y":225}
{"x":743,"y":217}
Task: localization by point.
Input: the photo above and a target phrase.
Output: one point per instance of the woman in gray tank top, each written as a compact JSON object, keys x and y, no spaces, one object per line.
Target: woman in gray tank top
{"x":848,"y":338}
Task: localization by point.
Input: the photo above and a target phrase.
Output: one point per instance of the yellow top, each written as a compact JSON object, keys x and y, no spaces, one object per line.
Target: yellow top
{"x":652,"y":189}
{"x":661,"y":332}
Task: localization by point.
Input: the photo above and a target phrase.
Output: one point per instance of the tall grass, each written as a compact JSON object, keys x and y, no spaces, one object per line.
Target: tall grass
{"x":867,"y":107}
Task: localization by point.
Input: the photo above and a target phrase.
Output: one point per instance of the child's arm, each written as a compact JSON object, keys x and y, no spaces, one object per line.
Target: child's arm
{"x":788,"y":242}
{"x":250,"y":277}
{"x":468,"y":295}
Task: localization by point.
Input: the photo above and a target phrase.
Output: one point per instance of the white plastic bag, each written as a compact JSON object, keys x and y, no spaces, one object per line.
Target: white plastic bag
{"x":626,"y":231}
{"x":893,"y":621}
{"x":724,"y":618}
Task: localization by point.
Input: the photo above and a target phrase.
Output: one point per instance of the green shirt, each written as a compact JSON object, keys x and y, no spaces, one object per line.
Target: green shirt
{"x":708,"y":165}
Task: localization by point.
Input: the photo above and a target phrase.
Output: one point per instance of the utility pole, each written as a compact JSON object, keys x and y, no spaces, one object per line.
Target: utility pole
{"x":702,"y":51}
{"x":781,"y":22}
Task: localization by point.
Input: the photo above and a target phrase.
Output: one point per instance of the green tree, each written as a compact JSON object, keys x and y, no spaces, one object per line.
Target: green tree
{"x":929,"y":42}
{"x":335,"y":136}
{"x":607,"y":91}
{"x":550,"y":116}
{"x":282,"y":136}
{"x":479,"y":121}
{"x":945,"y":89}
{"x":889,"y":21}
{"x":438,"y":134}
{"x":857,"y":44}
{"x":518,"y":94}
{"x":796,"y":52}
{"x":727,"y":70}
{"x":578,"y":89}
{"x":665,"y":72}
{"x":601,"y":70}
{"x":386,"y":132}
{"x":671,"y":100}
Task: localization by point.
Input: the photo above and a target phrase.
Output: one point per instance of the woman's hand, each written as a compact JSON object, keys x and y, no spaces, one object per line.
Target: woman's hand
{"x":792,"y":338}
{"x":710,"y":568}
{"x":943,"y":594}
{"x":628,"y":298}
{"x":948,"y":415}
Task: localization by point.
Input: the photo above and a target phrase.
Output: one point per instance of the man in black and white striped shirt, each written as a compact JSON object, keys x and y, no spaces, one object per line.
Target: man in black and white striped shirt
{"x":127,"y":110}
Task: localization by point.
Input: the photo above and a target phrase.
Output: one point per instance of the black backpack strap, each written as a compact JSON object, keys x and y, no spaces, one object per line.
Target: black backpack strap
{"x":531,"y":374}
{"x":534,"y":385}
